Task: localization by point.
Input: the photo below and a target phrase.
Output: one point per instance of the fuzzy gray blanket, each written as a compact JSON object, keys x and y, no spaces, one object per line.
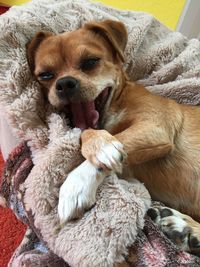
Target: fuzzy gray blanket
{"x":166,"y":62}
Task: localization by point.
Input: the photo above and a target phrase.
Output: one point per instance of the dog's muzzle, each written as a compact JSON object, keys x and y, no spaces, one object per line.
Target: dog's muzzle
{"x":83,"y":114}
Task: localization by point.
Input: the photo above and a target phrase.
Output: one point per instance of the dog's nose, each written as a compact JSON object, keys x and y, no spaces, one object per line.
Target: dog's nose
{"x":67,"y":87}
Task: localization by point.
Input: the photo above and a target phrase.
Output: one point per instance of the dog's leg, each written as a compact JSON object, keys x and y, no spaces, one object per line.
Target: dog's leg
{"x":139,"y":142}
{"x":179,"y":228}
{"x":144,"y":142}
{"x":78,"y":192}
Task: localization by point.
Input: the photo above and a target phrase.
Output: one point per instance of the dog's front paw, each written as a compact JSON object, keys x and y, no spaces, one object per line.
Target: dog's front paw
{"x":78,"y":192}
{"x":179,"y":228}
{"x":111,"y":156}
{"x":102,"y":149}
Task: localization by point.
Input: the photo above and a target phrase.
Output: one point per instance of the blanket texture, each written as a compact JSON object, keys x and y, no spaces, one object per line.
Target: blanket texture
{"x":166,"y":62}
{"x":151,"y":247}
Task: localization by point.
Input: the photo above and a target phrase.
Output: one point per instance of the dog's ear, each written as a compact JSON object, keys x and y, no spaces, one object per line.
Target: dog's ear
{"x":113,"y":32}
{"x":32,"y":46}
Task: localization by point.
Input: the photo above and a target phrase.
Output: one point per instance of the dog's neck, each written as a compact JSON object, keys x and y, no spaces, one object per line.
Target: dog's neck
{"x":112,"y":115}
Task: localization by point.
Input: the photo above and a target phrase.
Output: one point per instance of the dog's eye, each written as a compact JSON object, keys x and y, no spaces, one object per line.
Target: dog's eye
{"x":89,"y":64}
{"x":45,"y":76}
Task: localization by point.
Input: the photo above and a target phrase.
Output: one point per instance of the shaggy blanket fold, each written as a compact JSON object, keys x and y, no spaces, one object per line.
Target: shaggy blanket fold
{"x":166,"y":62}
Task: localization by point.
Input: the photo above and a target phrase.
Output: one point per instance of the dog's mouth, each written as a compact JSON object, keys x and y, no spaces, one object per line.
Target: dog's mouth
{"x":85,"y":115}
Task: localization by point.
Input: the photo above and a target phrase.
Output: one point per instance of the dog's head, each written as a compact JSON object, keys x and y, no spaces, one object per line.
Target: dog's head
{"x":80,"y":70}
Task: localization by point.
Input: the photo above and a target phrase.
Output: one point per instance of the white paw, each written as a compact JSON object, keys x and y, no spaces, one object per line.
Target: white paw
{"x":78,"y":192}
{"x":112,"y":155}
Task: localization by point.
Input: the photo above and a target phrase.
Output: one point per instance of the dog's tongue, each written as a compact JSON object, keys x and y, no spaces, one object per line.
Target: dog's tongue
{"x":84,"y":115}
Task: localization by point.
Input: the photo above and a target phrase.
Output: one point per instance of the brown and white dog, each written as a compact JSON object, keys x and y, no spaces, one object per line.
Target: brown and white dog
{"x":125,"y":128}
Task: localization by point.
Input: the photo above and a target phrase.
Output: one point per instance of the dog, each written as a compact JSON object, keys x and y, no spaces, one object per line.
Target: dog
{"x":125,"y":128}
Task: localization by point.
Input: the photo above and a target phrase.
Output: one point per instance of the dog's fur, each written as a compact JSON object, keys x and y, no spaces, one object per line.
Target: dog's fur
{"x":160,"y":137}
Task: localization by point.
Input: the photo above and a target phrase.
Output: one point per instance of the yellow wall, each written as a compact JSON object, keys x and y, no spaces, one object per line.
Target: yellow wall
{"x":13,"y":2}
{"x":167,"y":11}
